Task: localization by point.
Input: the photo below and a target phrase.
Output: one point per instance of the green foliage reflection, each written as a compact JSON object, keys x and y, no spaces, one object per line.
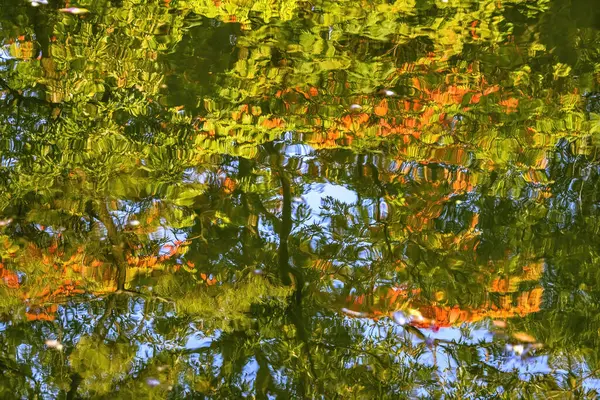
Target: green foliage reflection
{"x":223,"y":199}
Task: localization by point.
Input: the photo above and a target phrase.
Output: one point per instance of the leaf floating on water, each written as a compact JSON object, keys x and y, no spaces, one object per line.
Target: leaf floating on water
{"x":354,"y":313}
{"x":524,"y":337}
{"x":499,"y":324}
{"x":75,"y":10}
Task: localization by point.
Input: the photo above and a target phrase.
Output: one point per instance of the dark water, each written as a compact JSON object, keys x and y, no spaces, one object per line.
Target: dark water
{"x":286,"y":199}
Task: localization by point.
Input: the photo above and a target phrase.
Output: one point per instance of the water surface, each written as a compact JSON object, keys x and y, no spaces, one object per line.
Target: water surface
{"x":287,"y":199}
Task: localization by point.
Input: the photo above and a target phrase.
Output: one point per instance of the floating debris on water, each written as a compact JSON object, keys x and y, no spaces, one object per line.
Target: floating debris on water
{"x":387,"y":92}
{"x":74,"y":10}
{"x":5,"y":222}
{"x":521,"y":350}
{"x":400,"y":318}
{"x":518,"y":349}
{"x":152,"y":382}
{"x":54,"y":344}
{"x":411,"y":315}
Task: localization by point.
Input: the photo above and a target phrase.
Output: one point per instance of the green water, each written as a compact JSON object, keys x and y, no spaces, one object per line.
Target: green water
{"x":282,"y":199}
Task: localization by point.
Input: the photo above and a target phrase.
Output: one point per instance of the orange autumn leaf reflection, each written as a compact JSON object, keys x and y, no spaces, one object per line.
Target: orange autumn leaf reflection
{"x":435,"y":316}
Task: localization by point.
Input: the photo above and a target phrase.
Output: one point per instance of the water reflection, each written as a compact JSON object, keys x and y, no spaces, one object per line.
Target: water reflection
{"x":298,"y":200}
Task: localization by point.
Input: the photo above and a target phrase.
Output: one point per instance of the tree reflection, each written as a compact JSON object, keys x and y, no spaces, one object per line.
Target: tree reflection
{"x":157,"y":240}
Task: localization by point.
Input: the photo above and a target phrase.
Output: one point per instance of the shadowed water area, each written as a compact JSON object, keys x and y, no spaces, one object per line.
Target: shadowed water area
{"x":371,"y":199}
